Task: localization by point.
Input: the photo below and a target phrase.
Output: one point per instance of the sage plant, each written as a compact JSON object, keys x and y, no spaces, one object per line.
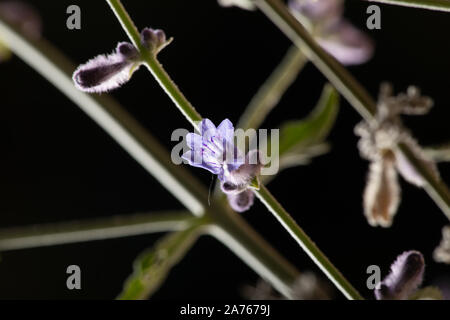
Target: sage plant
{"x":320,"y":34}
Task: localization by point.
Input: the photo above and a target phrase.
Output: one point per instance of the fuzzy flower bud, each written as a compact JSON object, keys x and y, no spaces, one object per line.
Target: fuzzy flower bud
{"x":242,"y":201}
{"x":405,"y":277}
{"x":154,"y":39}
{"x":382,"y":192}
{"x":107,"y":72}
{"x":239,"y":180}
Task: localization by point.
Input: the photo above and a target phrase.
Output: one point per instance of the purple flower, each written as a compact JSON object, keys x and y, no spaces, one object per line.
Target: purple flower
{"x":213,"y":149}
{"x":405,"y":277}
{"x":107,"y":72}
{"x":336,"y":35}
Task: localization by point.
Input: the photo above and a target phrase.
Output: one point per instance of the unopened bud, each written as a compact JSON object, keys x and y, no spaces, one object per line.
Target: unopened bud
{"x":382,"y":192}
{"x":405,"y":277}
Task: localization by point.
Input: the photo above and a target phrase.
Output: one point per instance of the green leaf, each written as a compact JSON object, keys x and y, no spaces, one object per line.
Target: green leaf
{"x":152,"y":267}
{"x":428,"y":293}
{"x":297,"y":136}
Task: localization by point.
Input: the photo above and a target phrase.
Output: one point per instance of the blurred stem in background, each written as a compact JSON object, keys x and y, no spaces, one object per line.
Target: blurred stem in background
{"x":355,"y":94}
{"x":273,"y":89}
{"x":437,"y":5}
{"x":263,"y":194}
{"x":230,"y":228}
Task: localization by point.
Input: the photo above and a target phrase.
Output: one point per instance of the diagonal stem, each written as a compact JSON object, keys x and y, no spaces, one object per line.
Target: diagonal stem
{"x":355,"y":94}
{"x":437,"y":5}
{"x":168,"y":85}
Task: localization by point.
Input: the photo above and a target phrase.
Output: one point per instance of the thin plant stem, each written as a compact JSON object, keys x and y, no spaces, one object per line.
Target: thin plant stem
{"x":355,"y":94}
{"x":436,"y":5}
{"x":95,"y":229}
{"x":273,"y":89}
{"x":133,"y":138}
{"x":164,"y":80}
{"x":319,"y":258}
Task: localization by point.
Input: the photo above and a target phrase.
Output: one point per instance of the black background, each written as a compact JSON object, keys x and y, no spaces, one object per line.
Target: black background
{"x":57,"y":165}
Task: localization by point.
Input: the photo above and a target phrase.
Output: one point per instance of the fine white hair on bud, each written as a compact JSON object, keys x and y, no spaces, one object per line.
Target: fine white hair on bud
{"x":242,"y":201}
{"x":106,"y":72}
{"x":405,"y":277}
{"x":382,"y":192}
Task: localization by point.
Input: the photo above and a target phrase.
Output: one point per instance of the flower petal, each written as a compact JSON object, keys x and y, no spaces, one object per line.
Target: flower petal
{"x":346,"y":43}
{"x":226,"y":130}
{"x":194,"y":141}
{"x":196,"y":159}
{"x":207,"y":129}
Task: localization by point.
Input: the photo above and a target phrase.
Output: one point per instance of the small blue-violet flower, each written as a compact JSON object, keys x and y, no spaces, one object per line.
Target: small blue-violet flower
{"x":213,"y":149}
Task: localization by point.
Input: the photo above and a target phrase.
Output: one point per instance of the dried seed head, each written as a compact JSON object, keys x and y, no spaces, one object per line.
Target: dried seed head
{"x":107,"y":72}
{"x":154,"y":39}
{"x":382,"y":192}
{"x":378,"y":144}
{"x":244,"y":4}
{"x":442,"y":252}
{"x":242,"y":201}
{"x":405,"y":277}
{"x":406,"y":170}
{"x":409,"y":103}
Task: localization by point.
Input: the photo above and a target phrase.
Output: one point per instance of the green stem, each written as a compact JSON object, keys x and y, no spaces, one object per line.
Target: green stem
{"x":273,"y":89}
{"x":437,"y":5}
{"x":308,"y":245}
{"x":349,"y":88}
{"x":342,"y":80}
{"x":143,"y":147}
{"x":96,"y":229}
{"x":167,"y":84}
